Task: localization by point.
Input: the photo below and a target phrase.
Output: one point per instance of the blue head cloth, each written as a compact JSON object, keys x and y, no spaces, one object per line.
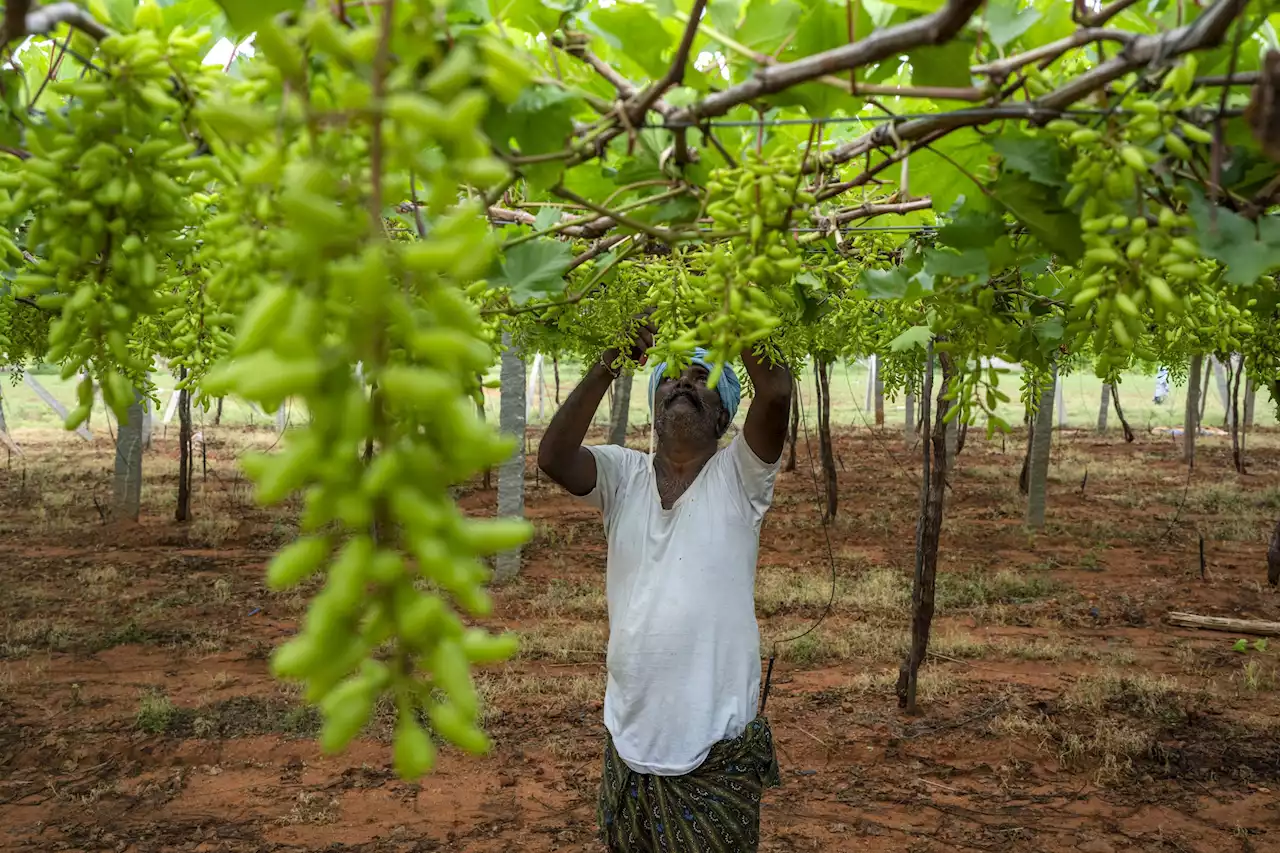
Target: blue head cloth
{"x":729,"y":388}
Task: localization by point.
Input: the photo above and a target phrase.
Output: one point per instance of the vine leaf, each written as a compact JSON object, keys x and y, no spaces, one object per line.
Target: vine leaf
{"x":885,"y":284}
{"x":925,"y":6}
{"x":942,"y":65}
{"x":972,"y":230}
{"x":1245,"y":250}
{"x":245,"y":15}
{"x":916,"y":336}
{"x":534,"y":269}
{"x":634,"y":32}
{"x":194,"y":14}
{"x":547,"y":216}
{"x":1039,"y":158}
{"x":469,"y":12}
{"x":1038,"y":207}
{"x":540,"y":121}
{"x":1006,"y":20}
{"x":118,"y":13}
{"x":823,"y":27}
{"x":724,"y":14}
{"x":1048,"y":331}
{"x":767,"y":23}
{"x":939,"y":178}
{"x":538,"y":16}
{"x":970,"y":262}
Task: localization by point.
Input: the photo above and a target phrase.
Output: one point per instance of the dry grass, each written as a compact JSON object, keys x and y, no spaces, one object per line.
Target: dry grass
{"x":312,"y":807}
{"x":550,"y":694}
{"x":38,"y":633}
{"x":1136,"y":695}
{"x":563,"y":598}
{"x":563,"y":641}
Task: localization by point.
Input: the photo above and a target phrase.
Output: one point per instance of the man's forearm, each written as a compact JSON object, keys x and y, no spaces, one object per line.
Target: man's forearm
{"x":569,"y":425}
{"x":768,"y":380}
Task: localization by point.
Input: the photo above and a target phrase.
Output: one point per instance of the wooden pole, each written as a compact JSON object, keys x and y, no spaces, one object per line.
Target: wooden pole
{"x":1037,"y":483}
{"x":1255,"y":627}
{"x":1191,"y":417}
{"x":511,"y":421}
{"x":185,"y":462}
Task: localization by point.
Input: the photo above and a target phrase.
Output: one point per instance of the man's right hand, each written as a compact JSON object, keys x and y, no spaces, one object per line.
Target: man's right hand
{"x":640,"y":346}
{"x":560,"y":453}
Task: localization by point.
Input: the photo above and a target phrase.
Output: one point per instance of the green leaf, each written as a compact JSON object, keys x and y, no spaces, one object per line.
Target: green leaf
{"x":1054,"y":22}
{"x":1039,"y":208}
{"x":824,"y":26}
{"x":1049,"y":330}
{"x":942,"y":262}
{"x":197,"y":14}
{"x":245,"y":15}
{"x":916,"y":336}
{"x":540,"y":122}
{"x":972,"y":230}
{"x":534,"y":269}
{"x":724,"y":15}
{"x":766,"y":23}
{"x":1007,"y":19}
{"x":884,"y":284}
{"x":925,"y":6}
{"x":640,"y":36}
{"x":1240,"y":645}
{"x":942,"y":65}
{"x":1246,"y":250}
{"x":532,"y":16}
{"x":468,"y":12}
{"x":1038,"y":157}
{"x":547,"y":216}
{"x":940,"y":178}
{"x":119,"y":13}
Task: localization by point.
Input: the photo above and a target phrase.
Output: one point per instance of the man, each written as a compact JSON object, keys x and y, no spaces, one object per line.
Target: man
{"x":687,"y":755}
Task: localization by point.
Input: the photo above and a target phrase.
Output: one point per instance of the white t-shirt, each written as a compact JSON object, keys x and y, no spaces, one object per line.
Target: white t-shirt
{"x":684,"y":646}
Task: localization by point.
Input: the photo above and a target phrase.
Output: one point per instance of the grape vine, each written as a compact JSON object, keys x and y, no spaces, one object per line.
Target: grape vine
{"x":391,"y":185}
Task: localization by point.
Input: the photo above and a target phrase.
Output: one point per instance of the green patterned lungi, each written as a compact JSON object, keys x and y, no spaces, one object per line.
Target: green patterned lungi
{"x":713,"y":809}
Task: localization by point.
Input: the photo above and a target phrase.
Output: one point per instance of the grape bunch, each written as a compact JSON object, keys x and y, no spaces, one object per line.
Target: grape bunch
{"x":743,"y":282}
{"x":1141,"y":259}
{"x":328,"y":290}
{"x":108,"y":188}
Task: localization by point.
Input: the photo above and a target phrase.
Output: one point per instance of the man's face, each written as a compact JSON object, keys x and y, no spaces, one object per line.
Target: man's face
{"x":686,"y":410}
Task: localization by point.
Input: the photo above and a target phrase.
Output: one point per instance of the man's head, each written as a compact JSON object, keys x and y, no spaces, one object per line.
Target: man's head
{"x":687,"y":412}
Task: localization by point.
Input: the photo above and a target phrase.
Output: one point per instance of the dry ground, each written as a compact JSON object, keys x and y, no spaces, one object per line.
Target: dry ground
{"x":1060,"y":713}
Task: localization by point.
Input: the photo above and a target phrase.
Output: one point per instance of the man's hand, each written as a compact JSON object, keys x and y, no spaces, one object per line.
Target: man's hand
{"x":641,"y":343}
{"x":561,"y":454}
{"x":766,"y":426}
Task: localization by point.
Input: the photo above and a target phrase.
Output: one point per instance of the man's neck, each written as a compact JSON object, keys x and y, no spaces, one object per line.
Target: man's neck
{"x":683,"y":458}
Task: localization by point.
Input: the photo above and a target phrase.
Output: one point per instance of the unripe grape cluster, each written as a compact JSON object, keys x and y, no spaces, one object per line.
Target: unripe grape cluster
{"x":329,"y":291}
{"x":108,"y":188}
{"x":735,"y":290}
{"x":1141,"y":259}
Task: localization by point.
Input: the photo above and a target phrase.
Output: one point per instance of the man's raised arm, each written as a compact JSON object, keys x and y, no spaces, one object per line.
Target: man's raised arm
{"x":561,"y":455}
{"x":766,"y":426}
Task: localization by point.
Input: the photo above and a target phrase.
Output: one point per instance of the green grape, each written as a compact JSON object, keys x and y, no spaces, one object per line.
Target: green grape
{"x":109,"y":242}
{"x":320,"y":288}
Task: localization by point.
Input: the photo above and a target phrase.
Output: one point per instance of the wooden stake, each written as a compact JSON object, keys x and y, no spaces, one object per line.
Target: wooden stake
{"x":1255,"y":627}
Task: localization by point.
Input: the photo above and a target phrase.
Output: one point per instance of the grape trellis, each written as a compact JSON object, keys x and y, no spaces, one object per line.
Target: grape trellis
{"x":360,"y":214}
